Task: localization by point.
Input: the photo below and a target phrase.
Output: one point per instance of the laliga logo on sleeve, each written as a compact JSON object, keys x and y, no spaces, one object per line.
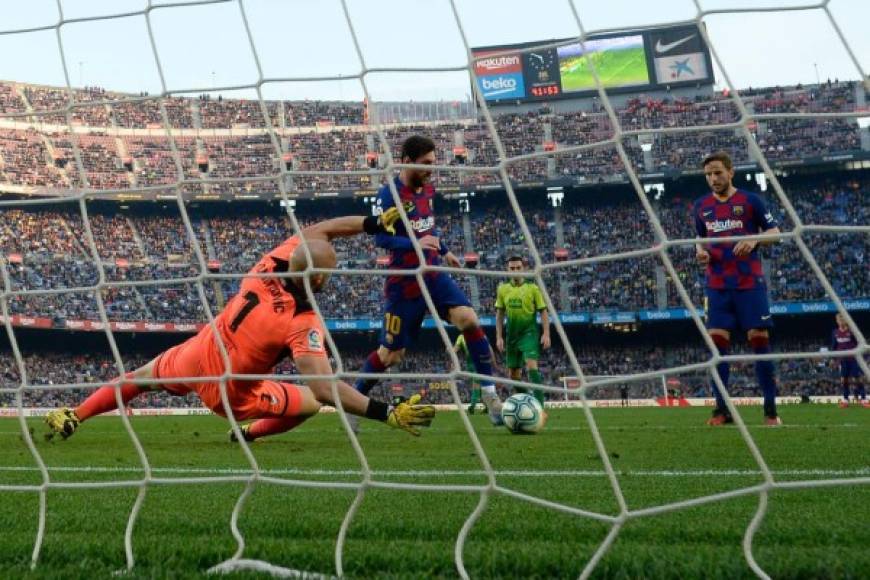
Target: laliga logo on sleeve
{"x":315,"y":342}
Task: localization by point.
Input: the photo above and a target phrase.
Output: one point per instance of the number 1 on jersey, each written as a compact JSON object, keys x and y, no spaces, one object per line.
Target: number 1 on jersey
{"x":251,"y":301}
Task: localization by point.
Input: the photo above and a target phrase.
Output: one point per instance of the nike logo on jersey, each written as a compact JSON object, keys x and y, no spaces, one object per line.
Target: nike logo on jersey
{"x":765,"y":317}
{"x":662,"y":48}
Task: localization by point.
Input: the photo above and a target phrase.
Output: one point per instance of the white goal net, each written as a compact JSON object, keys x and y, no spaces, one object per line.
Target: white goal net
{"x":543,"y":271}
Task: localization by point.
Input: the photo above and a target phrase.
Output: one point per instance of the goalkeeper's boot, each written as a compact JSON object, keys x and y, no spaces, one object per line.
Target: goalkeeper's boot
{"x":246,"y":433}
{"x":493,"y":408}
{"x":772,"y":421}
{"x":471,"y":407}
{"x":720,"y":418}
{"x":63,"y":422}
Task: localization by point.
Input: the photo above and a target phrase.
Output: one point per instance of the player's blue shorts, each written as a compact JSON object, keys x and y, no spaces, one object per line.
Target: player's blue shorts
{"x":849,"y":368}
{"x":744,"y":309}
{"x":403,"y":317}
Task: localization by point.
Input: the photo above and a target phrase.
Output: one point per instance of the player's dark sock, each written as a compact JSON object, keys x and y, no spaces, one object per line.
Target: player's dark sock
{"x":535,"y":377}
{"x":764,"y":374}
{"x":103,"y":399}
{"x":862,"y":392}
{"x":373,"y":364}
{"x":846,"y":389}
{"x":724,"y":370}
{"x":479,"y":348}
{"x":475,"y":396}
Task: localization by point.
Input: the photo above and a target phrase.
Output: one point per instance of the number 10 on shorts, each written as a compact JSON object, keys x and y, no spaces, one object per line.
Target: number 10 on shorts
{"x":392,"y":323}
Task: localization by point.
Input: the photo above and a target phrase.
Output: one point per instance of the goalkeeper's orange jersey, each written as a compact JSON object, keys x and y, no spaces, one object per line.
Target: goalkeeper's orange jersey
{"x":269,"y":318}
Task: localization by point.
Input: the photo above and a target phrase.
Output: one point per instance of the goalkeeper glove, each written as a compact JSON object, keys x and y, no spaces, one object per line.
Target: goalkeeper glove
{"x":410,"y":415}
{"x":385,"y":223}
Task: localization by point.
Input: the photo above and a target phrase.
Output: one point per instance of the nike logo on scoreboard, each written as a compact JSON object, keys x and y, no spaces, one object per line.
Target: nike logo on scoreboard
{"x":662,"y":48}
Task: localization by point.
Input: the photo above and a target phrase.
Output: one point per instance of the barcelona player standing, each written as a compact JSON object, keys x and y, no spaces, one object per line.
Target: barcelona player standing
{"x":736,"y":293}
{"x":405,"y":307}
{"x":850,"y":373}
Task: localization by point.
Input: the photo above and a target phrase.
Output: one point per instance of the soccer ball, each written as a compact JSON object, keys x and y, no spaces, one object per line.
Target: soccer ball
{"x":523,"y":414}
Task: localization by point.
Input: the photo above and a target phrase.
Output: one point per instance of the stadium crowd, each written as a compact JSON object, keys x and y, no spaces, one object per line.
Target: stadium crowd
{"x":796,"y":377}
{"x":333,"y":137}
{"x":54,"y":253}
{"x":50,"y":248}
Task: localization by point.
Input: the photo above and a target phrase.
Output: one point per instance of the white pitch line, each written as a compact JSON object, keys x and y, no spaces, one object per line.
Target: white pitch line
{"x":566,"y":428}
{"x":706,"y":427}
{"x":861,"y":472}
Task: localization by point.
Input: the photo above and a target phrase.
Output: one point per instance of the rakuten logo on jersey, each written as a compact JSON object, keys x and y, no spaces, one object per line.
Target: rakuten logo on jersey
{"x":502,"y":87}
{"x":423,"y":224}
{"x":719,"y":226}
{"x":503,"y":64}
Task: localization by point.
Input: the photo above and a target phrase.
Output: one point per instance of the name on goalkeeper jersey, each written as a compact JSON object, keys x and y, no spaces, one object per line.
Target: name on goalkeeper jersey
{"x":719,"y":226}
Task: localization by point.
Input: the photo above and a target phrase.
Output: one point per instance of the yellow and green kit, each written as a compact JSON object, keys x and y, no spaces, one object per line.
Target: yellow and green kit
{"x":521,"y":304}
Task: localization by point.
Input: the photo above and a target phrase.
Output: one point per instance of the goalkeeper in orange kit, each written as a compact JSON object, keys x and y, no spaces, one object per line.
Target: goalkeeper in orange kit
{"x":268,"y":319}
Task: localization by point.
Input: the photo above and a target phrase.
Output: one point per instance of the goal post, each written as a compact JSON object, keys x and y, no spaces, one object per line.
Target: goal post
{"x":658,"y":386}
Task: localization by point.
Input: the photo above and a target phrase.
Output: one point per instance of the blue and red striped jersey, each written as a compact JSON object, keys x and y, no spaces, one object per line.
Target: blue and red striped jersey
{"x":420,"y":210}
{"x":843,"y":339}
{"x":744,"y":213}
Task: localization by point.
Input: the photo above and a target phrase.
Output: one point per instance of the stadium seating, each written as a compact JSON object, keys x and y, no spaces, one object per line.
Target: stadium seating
{"x":330,"y":139}
{"x":796,"y":377}
{"x":56,"y":252}
{"x":158,"y":247}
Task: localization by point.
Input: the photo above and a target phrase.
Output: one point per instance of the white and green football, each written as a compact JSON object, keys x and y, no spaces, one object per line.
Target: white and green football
{"x":523,"y":414}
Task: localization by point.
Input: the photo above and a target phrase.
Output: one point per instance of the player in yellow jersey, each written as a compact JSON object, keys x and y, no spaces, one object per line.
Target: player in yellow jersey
{"x":519,"y":301}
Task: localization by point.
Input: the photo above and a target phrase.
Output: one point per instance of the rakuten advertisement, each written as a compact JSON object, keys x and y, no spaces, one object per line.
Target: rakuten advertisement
{"x":490,"y":63}
{"x":499,"y":76}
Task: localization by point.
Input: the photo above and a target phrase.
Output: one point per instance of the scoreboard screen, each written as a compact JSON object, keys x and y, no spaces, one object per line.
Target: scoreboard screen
{"x":541,"y":74}
{"x":633,"y":61}
{"x":620,"y":62}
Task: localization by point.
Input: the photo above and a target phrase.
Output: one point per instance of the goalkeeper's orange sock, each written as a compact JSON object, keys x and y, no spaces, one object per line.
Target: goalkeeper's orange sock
{"x":273,"y":426}
{"x":103,"y":399}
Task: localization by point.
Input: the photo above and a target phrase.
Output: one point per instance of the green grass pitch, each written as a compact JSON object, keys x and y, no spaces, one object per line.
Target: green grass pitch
{"x":662,"y":456}
{"x":617,"y":68}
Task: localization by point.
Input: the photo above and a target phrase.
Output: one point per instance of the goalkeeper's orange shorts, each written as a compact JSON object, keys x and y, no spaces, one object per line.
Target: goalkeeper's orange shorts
{"x":248,"y":399}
